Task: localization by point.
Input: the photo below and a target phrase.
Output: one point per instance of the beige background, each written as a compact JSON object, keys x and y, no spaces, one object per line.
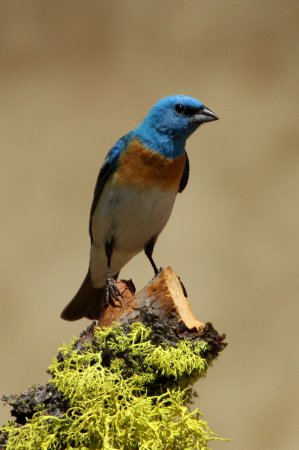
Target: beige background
{"x":77,"y":75}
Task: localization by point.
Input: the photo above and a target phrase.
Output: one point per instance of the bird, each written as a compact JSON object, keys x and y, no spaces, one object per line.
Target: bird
{"x":134,"y":196}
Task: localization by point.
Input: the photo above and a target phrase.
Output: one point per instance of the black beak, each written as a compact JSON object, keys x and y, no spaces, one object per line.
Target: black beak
{"x":204,"y":115}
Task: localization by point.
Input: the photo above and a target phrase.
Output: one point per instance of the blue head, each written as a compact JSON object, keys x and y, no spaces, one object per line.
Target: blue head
{"x":170,"y":122}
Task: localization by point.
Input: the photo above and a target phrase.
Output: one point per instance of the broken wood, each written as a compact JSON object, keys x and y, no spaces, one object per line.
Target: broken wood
{"x":164,"y":297}
{"x":129,"y":379}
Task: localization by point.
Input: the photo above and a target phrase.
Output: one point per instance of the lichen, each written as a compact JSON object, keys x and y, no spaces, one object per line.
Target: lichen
{"x":122,"y":388}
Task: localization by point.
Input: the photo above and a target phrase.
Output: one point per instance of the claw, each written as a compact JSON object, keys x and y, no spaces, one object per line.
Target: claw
{"x":184,"y":289}
{"x":113,"y":294}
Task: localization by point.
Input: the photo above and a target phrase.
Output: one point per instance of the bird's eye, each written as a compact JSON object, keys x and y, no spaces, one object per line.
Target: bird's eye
{"x":179,"y":108}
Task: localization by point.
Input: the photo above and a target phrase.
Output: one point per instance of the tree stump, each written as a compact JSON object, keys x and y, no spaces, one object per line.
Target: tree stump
{"x":164,"y":297}
{"x":126,"y":383}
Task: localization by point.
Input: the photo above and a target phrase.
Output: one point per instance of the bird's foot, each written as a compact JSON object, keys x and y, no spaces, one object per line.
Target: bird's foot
{"x":113,"y":295}
{"x":157,"y":271}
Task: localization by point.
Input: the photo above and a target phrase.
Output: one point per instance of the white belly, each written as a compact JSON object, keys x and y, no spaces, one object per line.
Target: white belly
{"x":131,"y":218}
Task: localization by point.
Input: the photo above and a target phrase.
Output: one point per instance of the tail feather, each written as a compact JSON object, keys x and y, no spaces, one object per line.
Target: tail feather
{"x":88,"y":302}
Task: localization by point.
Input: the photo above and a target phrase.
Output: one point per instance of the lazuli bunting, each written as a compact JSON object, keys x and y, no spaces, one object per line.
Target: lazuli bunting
{"x":134,"y":196}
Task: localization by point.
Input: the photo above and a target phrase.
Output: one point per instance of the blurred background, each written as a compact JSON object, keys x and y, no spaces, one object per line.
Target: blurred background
{"x":74,"y":77}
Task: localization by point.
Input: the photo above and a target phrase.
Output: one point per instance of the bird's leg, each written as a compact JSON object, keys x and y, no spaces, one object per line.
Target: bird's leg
{"x":112,"y":291}
{"x":148,"y":250}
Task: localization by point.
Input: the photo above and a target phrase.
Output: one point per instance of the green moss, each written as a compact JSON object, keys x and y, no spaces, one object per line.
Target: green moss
{"x":124,"y":388}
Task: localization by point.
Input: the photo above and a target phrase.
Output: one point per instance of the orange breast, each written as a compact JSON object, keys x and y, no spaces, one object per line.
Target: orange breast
{"x":140,"y":167}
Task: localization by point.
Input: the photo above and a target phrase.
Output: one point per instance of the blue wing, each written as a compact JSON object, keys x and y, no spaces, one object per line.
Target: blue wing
{"x":185,"y":176}
{"x":107,"y":169}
